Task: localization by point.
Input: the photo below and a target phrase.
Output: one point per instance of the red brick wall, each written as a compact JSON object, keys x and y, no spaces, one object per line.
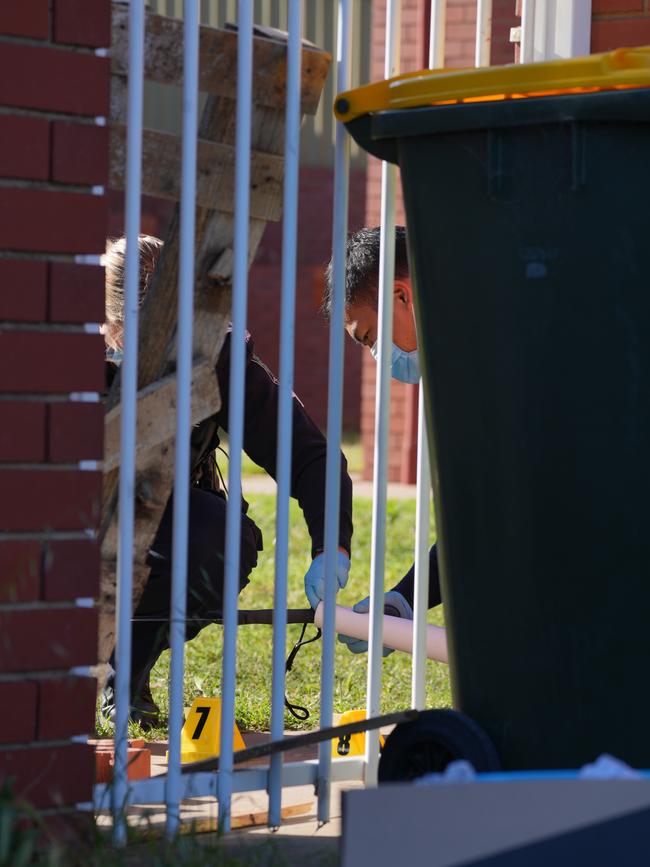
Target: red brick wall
{"x":53,"y":167}
{"x":619,"y":23}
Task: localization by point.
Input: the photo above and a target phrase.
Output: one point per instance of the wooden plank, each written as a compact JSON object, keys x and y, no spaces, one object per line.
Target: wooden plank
{"x":163,"y":60}
{"x":267,"y":123}
{"x":156,"y":420}
{"x":215,"y":184}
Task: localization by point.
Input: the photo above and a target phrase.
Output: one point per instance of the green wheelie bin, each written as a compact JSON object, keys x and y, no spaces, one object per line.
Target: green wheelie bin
{"x":527,"y":198}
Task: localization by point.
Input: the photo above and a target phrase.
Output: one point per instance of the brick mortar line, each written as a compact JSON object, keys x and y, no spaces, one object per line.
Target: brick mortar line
{"x":88,"y":50}
{"x":52,"y":674}
{"x":38,"y":398}
{"x":62,"y":812}
{"x":17,"y":111}
{"x":621,"y":16}
{"x":46,"y":327}
{"x":25,"y":466}
{"x":50,"y":186}
{"x":39,"y":605}
{"x":48,"y":536}
{"x":34,"y":256}
{"x":36,"y":745}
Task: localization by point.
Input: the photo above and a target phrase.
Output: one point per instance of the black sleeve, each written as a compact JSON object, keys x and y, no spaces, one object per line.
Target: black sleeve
{"x":309,"y":447}
{"x":407,"y":585}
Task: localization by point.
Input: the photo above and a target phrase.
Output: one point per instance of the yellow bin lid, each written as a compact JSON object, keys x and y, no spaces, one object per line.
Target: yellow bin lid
{"x":615,"y":70}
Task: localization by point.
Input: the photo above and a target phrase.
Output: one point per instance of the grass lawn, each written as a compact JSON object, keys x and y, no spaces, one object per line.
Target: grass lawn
{"x":350,"y":444}
{"x":203,"y":655}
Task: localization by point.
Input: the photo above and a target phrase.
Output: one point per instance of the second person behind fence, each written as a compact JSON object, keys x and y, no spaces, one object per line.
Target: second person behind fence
{"x":207,"y":506}
{"x":361,"y":323}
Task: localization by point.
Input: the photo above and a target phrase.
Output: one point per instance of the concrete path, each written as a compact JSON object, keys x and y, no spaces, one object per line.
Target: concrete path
{"x":264,"y":484}
{"x":300,"y":840}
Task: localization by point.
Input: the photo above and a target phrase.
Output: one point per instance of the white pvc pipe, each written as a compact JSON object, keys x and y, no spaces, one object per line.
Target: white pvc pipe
{"x":129,"y":382}
{"x":183,"y":410}
{"x":398,"y":632}
{"x":437,"y":34}
{"x":334,"y":406}
{"x":285,"y":399}
{"x":527,"y":44}
{"x":423,"y":480}
{"x":483,"y":33}
{"x":382,"y":412}
{"x":421,"y":585}
{"x":236,"y":402}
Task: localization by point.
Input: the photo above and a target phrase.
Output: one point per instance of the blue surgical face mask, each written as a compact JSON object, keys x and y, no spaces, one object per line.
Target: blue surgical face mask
{"x":114,"y":355}
{"x":404,"y":366}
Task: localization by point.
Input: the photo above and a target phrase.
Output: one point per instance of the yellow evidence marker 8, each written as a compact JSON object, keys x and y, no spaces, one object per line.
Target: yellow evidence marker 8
{"x":351,"y":745}
{"x":201,"y":732}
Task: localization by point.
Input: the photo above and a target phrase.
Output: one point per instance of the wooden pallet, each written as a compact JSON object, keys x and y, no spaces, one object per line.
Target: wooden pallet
{"x":214,"y":244}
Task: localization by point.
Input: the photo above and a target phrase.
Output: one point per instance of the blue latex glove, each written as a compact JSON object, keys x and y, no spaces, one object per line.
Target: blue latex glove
{"x":315,"y":577}
{"x":394,"y":604}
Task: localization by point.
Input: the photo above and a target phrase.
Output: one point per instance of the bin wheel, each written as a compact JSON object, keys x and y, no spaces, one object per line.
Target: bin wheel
{"x":429,"y":743}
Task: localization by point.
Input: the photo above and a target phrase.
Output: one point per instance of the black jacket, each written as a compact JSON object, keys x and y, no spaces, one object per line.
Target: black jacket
{"x":260,"y":444}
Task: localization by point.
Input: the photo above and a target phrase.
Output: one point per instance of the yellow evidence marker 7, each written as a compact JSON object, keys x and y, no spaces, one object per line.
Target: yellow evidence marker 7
{"x":351,"y":745}
{"x":202,"y":731}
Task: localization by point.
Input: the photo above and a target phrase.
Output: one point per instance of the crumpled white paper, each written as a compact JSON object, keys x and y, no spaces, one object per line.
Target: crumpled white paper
{"x":607,"y":767}
{"x":455,"y":772}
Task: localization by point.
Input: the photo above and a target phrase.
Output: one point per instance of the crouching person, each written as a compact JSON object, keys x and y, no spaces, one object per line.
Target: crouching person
{"x":361,"y":324}
{"x":207,"y":506}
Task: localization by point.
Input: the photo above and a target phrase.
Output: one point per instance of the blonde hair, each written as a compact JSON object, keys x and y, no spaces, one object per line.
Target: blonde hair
{"x":114,"y":261}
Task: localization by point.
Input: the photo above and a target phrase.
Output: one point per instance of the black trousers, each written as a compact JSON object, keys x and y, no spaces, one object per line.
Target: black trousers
{"x":407,"y":585}
{"x":205,"y":576}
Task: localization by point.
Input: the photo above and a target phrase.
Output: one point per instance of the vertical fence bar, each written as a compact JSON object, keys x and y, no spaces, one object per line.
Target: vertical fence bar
{"x":382,"y":412}
{"x":483,"y":32}
{"x":575,"y":24}
{"x":421,"y":594}
{"x":527,"y":44}
{"x":437,"y":33}
{"x":236,"y":406}
{"x":183,"y":410}
{"x":129,"y":372}
{"x":334,"y":405}
{"x":423,"y":480}
{"x":285,"y":400}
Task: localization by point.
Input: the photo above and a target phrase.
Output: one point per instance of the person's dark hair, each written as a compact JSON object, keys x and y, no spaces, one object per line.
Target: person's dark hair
{"x":362,"y":267}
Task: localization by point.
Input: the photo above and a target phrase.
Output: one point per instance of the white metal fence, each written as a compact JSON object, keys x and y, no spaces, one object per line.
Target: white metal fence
{"x":162,"y":109}
{"x":175,"y":786}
